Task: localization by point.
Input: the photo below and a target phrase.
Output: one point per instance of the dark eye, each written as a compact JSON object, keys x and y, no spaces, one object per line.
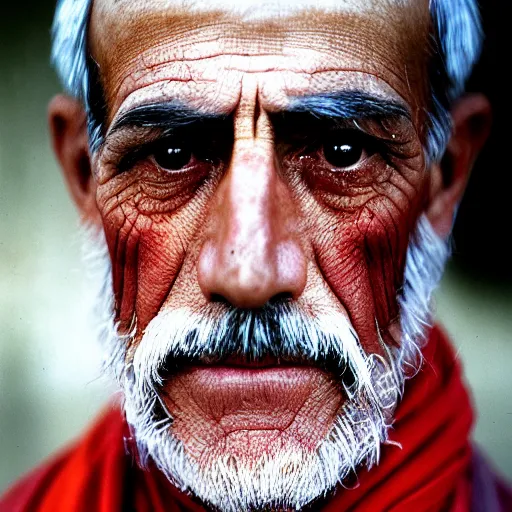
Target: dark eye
{"x":345,"y":148}
{"x":172,"y":156}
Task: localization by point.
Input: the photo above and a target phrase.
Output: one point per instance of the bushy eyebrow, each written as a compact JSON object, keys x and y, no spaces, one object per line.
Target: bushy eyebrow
{"x":347,"y":105}
{"x":166,"y":116}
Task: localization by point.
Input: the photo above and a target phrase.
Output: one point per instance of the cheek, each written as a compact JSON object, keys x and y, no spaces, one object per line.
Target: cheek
{"x":363,"y":260}
{"x":147,"y":252}
{"x":146,"y":257}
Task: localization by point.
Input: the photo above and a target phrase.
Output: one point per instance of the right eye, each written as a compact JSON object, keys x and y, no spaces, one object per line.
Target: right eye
{"x":172,"y":155}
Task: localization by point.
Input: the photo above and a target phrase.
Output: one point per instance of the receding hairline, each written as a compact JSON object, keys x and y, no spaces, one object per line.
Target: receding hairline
{"x":253,"y":10}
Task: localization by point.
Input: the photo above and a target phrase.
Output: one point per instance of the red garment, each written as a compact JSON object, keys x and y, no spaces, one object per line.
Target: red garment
{"x":431,"y":472}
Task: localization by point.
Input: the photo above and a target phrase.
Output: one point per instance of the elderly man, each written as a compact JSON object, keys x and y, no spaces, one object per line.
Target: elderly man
{"x":268,"y":191}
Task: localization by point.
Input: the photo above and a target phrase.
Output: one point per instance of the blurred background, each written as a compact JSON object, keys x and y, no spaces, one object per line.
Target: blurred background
{"x":50,"y":384}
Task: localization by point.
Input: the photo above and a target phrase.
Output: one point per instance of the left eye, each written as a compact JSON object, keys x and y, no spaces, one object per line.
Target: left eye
{"x":345,"y":149}
{"x":172,"y":156}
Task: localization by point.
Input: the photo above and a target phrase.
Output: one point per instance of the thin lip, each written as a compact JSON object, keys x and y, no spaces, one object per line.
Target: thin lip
{"x":239,"y":399}
{"x":237,"y":368}
{"x":176,"y":366}
{"x":247,"y":375}
{"x":256,"y":370}
{"x":267,"y":362}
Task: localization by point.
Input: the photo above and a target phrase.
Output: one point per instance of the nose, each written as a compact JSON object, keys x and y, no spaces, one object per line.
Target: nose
{"x":252,"y":253}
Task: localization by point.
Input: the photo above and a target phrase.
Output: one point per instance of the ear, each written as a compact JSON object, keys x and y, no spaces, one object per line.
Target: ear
{"x":68,"y":129}
{"x":471,"y":117}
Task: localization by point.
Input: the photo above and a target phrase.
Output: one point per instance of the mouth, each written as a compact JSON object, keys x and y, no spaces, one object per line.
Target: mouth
{"x":252,"y":404}
{"x":249,"y":394}
{"x":341,"y":372}
{"x":246,"y":386}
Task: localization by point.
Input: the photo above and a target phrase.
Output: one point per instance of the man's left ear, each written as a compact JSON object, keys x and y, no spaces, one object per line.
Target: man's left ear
{"x":471,"y":118}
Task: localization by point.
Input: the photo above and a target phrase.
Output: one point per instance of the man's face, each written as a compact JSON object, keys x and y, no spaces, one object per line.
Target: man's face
{"x":262,"y":171}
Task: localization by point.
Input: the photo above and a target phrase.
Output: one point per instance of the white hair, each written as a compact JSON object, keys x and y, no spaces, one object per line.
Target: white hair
{"x":69,"y":46}
{"x":457,"y":46}
{"x":358,"y":432}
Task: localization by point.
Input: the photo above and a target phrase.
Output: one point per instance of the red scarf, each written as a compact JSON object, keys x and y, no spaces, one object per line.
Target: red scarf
{"x":429,"y":473}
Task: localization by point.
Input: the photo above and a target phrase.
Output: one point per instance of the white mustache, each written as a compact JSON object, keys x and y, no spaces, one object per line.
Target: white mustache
{"x":280,"y":331}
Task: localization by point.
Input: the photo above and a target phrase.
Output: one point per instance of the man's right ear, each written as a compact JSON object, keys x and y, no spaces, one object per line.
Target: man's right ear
{"x":68,"y":129}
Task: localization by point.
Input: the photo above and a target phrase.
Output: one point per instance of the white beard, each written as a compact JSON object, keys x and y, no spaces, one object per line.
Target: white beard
{"x":293,"y":477}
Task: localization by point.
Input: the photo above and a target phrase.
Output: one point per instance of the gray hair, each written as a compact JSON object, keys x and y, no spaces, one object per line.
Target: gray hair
{"x":457,"y":41}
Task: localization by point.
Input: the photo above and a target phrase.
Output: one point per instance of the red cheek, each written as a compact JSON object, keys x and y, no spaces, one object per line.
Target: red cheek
{"x":123,"y":242}
{"x":160,"y":261}
{"x":344,"y":268}
{"x":385,"y":243}
{"x":363,"y":264}
{"x":146,"y":258}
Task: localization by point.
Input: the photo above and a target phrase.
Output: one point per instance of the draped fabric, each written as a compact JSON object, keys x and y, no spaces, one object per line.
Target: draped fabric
{"x":433,"y":469}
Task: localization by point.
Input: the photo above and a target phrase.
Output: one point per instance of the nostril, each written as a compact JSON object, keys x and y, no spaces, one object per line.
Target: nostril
{"x":281,"y":297}
{"x":278,"y":298}
{"x":217,"y":297}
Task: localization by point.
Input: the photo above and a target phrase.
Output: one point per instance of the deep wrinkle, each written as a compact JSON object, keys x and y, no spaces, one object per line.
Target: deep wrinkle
{"x":170,"y":38}
{"x":241,"y":406}
{"x":273,"y":210}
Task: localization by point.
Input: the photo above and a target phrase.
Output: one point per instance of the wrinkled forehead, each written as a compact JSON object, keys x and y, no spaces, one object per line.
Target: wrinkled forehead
{"x":200,"y":52}
{"x":251,"y":10}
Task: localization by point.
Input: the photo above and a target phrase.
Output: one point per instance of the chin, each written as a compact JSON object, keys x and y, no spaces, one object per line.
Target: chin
{"x":269,"y":469}
{"x":283,"y":429}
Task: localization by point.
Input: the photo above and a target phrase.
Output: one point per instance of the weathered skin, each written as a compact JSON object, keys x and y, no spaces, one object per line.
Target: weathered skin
{"x":271,"y":218}
{"x":251,"y":411}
